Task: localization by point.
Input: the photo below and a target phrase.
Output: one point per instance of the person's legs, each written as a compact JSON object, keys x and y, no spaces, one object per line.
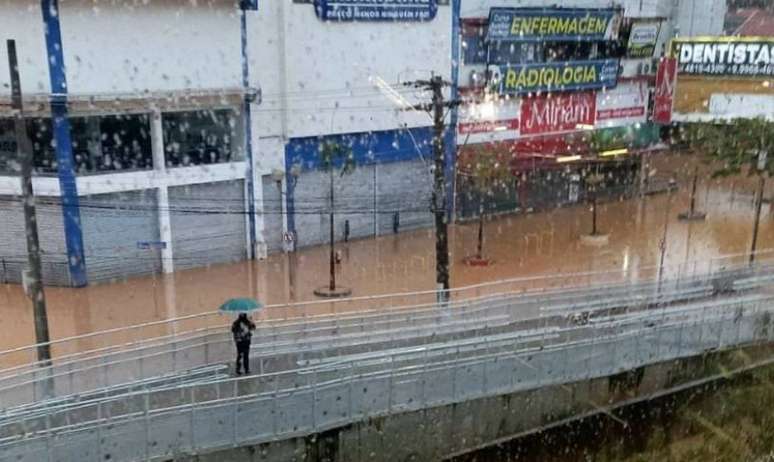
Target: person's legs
{"x":238,"y":359}
{"x":246,"y":357}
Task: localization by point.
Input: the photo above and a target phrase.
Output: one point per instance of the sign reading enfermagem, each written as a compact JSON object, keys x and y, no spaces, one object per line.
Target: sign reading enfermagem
{"x":553,"y":24}
{"x":376,"y":10}
{"x":726,"y":56}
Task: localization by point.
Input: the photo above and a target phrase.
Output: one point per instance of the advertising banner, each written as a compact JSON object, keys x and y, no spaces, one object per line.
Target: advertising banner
{"x":626,"y":104}
{"x":725,"y":56}
{"x":570,"y":75}
{"x":487,"y":122}
{"x":376,"y":10}
{"x":666,"y":80}
{"x":553,"y":24}
{"x":642,"y":39}
{"x":557,"y":113}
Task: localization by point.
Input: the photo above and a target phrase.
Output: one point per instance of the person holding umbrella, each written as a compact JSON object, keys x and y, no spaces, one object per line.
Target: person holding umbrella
{"x":242,"y":329}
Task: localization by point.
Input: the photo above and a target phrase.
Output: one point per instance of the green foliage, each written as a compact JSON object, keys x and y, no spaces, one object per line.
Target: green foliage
{"x":734,"y":146}
{"x":606,"y":140}
{"x":334,"y":156}
{"x":488,"y":169}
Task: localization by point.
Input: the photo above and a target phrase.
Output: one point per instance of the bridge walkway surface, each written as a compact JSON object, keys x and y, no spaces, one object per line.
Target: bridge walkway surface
{"x":175,"y":397}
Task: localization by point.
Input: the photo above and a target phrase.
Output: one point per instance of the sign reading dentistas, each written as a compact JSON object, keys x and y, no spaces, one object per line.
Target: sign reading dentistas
{"x":557,"y":113}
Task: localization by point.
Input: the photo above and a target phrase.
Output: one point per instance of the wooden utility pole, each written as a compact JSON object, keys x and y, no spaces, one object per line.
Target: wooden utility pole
{"x":436,"y":107}
{"x":34,"y":283}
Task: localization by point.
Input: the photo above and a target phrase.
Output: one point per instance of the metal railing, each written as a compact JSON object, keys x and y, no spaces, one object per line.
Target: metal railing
{"x":281,"y":343}
{"x":231,"y":412}
{"x":128,"y":337}
{"x":282,"y":346}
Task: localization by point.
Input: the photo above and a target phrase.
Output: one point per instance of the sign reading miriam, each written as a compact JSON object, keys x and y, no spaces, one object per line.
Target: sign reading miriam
{"x":552,"y":24}
{"x":376,"y":10}
{"x":572,"y":75}
{"x":727,"y":56}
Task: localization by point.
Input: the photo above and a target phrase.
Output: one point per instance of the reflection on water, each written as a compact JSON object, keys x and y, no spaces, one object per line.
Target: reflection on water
{"x":545,"y":243}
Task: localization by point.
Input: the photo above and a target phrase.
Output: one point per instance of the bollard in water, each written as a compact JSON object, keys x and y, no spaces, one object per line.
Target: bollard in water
{"x":395,"y":222}
{"x":346,"y":230}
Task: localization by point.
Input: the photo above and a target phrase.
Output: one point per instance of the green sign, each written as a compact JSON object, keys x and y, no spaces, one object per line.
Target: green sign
{"x":642,"y":39}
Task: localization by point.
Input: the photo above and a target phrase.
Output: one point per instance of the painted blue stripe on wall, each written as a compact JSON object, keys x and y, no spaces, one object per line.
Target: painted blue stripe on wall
{"x":367,"y":147}
{"x":378,"y":147}
{"x":248,"y":134}
{"x":64,"y":155}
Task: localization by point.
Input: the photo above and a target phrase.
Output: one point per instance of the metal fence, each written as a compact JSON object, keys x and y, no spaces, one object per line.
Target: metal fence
{"x":186,"y":418}
{"x":284,"y":345}
{"x":101,"y":343}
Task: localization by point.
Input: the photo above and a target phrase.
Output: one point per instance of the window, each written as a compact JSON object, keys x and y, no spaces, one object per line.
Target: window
{"x":569,"y":51}
{"x":474,"y":47}
{"x":199,"y":137}
{"x":111,"y":143}
{"x":513,"y":52}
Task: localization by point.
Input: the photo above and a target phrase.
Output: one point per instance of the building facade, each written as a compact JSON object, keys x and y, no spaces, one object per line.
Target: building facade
{"x":195,"y":139}
{"x":548,"y":88}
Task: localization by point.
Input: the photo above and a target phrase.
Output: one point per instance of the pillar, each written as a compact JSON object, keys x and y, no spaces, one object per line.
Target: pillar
{"x":162,"y":192}
{"x":71,"y":211}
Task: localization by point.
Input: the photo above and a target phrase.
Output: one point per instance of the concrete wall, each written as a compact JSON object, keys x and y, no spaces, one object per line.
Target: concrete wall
{"x":22,"y":21}
{"x":442,"y":432}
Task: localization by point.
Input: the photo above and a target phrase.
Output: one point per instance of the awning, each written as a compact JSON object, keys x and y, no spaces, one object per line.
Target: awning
{"x":38,"y":104}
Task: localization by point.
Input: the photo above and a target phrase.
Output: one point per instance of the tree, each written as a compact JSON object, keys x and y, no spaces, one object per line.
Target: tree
{"x":488,"y":171}
{"x":602,"y":144}
{"x":334,"y":158}
{"x":737,"y":146}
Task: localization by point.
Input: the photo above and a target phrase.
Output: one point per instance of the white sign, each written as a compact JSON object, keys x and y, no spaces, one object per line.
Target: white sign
{"x":626,"y":104}
{"x":489,"y":122}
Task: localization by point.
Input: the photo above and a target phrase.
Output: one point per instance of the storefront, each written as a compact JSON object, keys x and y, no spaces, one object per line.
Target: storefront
{"x":551,"y":79}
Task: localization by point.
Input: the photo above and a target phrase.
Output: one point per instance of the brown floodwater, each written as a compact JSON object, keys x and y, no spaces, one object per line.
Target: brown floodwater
{"x":523,"y":245}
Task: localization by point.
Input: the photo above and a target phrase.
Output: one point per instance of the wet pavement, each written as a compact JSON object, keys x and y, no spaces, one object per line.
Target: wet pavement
{"x":524,"y":245}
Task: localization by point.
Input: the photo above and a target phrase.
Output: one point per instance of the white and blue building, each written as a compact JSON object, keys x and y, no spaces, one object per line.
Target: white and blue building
{"x":176,"y":134}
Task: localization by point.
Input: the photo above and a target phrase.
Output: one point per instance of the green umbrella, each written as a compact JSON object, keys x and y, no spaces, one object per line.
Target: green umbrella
{"x":240,"y":305}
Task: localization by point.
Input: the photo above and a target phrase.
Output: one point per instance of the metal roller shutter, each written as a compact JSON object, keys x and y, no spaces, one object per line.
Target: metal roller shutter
{"x":113,"y":225}
{"x":13,"y":241}
{"x":406,"y":188}
{"x":208,"y":223}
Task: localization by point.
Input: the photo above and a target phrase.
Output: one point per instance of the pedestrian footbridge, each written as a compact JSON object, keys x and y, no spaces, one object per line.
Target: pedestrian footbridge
{"x":403,"y":377}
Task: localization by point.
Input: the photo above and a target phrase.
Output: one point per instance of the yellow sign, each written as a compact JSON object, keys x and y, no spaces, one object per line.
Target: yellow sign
{"x":551,"y":25}
{"x":577,"y":75}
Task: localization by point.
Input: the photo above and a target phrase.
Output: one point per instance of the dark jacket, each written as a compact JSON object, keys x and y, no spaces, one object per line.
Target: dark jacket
{"x":242,"y":329}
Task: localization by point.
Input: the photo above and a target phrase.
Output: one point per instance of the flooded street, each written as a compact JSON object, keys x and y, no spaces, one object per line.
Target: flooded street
{"x":523,"y":245}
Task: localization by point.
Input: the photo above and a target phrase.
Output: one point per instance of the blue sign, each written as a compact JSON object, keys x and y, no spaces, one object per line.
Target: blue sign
{"x":376,"y":10}
{"x":553,"y":24}
{"x":147,"y":245}
{"x":570,"y":75}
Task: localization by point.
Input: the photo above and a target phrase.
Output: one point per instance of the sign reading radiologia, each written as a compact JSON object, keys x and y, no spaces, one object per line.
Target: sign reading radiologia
{"x":642,"y":39}
{"x":571,"y":75}
{"x":739,"y":57}
{"x":376,"y":10}
{"x":553,"y":24}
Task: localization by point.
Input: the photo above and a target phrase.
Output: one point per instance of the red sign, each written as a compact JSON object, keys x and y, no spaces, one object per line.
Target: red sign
{"x":621,"y":113}
{"x":488,"y":126}
{"x":666,"y":77}
{"x":557,"y":113}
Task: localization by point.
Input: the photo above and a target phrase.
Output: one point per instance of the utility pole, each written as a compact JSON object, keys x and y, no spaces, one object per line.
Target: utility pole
{"x":436,"y":85}
{"x":25,"y":157}
{"x":761,"y":168}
